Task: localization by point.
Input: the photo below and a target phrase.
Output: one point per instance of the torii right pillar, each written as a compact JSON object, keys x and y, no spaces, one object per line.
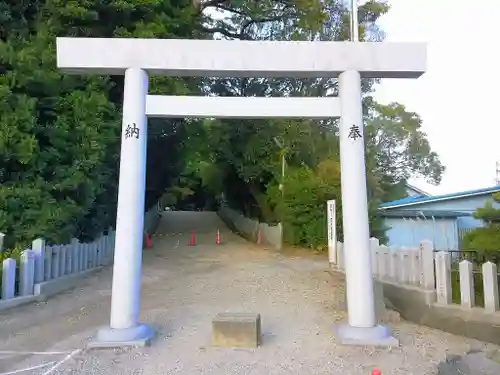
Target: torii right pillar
{"x":362,"y":327}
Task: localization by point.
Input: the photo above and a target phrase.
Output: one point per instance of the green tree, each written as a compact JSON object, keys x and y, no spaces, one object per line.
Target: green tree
{"x":53,"y":143}
{"x":487,"y":238}
{"x":302,"y":205}
{"x":397,"y":149}
{"x":60,"y":134}
{"x":253,"y":158}
{"x":248,"y":156}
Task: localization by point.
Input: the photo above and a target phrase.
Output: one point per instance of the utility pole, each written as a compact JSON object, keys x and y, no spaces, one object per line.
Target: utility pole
{"x":354,"y":21}
{"x":497,"y":175}
{"x":283,"y":164}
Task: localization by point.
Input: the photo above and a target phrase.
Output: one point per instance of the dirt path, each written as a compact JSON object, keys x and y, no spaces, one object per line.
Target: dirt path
{"x":184,"y":287}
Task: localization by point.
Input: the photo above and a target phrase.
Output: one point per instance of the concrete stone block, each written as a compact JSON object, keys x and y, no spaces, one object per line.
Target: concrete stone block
{"x":8,"y":278}
{"x":38,"y":247}
{"x":27,"y":273}
{"x":50,"y":287}
{"x":55,"y":261}
{"x":494,"y":355}
{"x":238,"y":330}
{"x":474,"y":362}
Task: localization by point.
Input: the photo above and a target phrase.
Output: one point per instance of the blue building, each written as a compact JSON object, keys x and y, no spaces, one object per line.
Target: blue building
{"x":442,"y":219}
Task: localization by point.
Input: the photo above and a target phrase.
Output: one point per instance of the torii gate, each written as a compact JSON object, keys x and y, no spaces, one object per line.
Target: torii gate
{"x":139,"y":58}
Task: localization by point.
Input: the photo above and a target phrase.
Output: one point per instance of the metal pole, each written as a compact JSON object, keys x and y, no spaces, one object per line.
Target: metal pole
{"x":283,"y":161}
{"x":354,"y":21}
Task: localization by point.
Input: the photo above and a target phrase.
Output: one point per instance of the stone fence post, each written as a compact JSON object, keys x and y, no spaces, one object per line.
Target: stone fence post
{"x":443,"y":277}
{"x":38,"y":248}
{"x":427,"y":261}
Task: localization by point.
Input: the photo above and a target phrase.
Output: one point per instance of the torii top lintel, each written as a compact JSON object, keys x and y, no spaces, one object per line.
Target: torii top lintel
{"x":224,"y":58}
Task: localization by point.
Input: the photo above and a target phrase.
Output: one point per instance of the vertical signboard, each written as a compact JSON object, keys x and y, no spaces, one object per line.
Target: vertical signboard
{"x":332,"y":233}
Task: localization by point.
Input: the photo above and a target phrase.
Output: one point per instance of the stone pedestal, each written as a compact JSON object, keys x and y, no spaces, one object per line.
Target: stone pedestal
{"x":377,"y":335}
{"x":109,"y":338}
{"x":237,"y":330}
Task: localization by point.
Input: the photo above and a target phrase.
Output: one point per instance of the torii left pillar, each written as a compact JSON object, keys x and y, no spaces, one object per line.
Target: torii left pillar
{"x":124,"y":328}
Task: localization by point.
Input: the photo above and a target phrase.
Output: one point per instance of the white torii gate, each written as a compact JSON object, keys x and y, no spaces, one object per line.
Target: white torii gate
{"x":139,"y":58}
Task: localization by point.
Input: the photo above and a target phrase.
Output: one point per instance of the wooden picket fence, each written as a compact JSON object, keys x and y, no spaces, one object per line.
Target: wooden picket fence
{"x":44,"y":263}
{"x":424,"y":268}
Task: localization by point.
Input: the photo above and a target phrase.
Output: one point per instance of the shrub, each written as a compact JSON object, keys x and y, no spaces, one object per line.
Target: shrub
{"x":302,"y":207}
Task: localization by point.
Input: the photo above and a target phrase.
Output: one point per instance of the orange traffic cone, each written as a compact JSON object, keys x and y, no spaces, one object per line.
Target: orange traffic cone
{"x":192,"y":239}
{"x":147,"y":241}
{"x":258,"y":238}
{"x":217,"y":238}
{"x":376,"y":372}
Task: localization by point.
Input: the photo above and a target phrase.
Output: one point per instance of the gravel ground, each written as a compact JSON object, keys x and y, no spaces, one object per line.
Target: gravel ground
{"x":185,"y":287}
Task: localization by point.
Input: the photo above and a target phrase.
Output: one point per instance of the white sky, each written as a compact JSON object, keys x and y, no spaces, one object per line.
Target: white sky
{"x":456,"y":97}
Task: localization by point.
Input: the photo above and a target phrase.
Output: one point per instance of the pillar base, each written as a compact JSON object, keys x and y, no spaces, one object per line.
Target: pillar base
{"x":108,"y":338}
{"x":372,"y":336}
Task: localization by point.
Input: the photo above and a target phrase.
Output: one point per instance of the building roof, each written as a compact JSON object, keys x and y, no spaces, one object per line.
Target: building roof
{"x":420,"y":191}
{"x":412,"y":201}
{"x":423,"y":214}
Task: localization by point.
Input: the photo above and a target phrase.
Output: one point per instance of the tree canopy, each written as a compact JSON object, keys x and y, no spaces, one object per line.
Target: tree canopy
{"x":60,"y":134}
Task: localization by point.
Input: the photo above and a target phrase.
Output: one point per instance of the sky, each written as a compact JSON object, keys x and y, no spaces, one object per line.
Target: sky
{"x":456,"y":96}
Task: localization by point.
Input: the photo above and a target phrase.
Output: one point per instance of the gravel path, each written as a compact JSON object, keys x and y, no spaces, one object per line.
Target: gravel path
{"x":184,"y":287}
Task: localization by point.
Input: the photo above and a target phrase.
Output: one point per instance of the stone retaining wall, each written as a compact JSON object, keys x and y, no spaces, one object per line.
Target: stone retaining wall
{"x":249,"y":228}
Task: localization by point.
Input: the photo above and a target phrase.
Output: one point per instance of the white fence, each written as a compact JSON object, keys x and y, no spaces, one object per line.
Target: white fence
{"x":45,"y":270}
{"x":423,"y":268}
{"x":42,"y":264}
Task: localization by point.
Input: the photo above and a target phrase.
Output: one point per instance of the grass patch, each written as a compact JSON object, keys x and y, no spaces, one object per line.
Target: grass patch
{"x":478,"y":287}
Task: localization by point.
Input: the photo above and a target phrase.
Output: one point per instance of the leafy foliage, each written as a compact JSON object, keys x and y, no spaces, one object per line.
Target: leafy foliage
{"x":397,"y":147}
{"x":250,"y":153}
{"x":244,"y":159}
{"x":487,"y":238}
{"x":302,"y":206}
{"x":60,"y":134}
